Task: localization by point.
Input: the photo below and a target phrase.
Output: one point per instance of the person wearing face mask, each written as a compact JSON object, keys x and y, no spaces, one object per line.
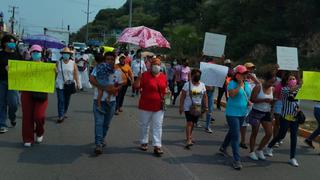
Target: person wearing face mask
{"x":9,"y":99}
{"x":67,"y":73}
{"x":127,"y":78}
{"x":290,"y":108}
{"x":236,"y":111}
{"x":153,"y":87}
{"x":34,"y":105}
{"x":193,"y":94}
{"x":138,"y":67}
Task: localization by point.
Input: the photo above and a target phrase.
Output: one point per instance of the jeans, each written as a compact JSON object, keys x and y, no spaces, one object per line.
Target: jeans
{"x":210,"y":108}
{"x":121,"y":95}
{"x":233,"y":135}
{"x":102,"y":121}
{"x":284,"y":126}
{"x":9,"y":100}
{"x":63,"y":102}
{"x":317,"y":131}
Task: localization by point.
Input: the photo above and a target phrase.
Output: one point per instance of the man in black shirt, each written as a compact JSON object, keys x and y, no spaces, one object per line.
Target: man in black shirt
{"x":8,"y":98}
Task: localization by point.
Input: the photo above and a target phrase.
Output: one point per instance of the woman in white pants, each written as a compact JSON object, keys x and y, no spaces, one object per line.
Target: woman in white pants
{"x":153,"y":85}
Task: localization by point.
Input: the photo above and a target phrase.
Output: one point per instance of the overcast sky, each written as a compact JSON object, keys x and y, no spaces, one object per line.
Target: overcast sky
{"x":34,"y":15}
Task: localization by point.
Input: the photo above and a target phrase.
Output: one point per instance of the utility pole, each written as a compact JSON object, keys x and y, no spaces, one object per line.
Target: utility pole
{"x":88,"y":13}
{"x":12,"y":20}
{"x":130,"y":13}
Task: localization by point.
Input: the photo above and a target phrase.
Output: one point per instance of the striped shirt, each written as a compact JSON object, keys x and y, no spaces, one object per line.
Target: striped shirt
{"x":290,"y":105}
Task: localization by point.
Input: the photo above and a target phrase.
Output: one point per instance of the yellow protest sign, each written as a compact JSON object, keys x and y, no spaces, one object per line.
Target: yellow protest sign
{"x":310,"y":88}
{"x":31,"y":76}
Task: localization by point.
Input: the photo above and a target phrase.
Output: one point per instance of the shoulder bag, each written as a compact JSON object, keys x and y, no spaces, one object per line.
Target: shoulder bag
{"x":69,"y":86}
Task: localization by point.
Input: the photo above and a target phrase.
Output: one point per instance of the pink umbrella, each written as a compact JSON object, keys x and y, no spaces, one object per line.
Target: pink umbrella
{"x":143,"y":37}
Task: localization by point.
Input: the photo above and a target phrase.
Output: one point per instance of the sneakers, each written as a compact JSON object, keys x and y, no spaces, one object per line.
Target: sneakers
{"x":294,"y":162}
{"x":98,"y":150}
{"x":27,"y":144}
{"x":237,"y":165}
{"x":277,"y":145}
{"x":3,"y":130}
{"x":253,"y":156}
{"x":208,"y":130}
{"x":260,"y":155}
{"x":268,"y":152}
{"x":198,"y":125}
{"x":39,"y":139}
{"x":309,"y":143}
{"x":224,"y":152}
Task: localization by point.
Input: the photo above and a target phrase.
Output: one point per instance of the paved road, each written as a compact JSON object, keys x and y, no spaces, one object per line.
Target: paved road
{"x":67,"y":151}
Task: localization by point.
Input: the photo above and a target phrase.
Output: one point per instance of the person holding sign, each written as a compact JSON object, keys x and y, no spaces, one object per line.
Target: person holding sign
{"x":236,"y":111}
{"x":288,"y":119}
{"x":34,"y":105}
{"x":8,"y":98}
{"x":66,"y":83}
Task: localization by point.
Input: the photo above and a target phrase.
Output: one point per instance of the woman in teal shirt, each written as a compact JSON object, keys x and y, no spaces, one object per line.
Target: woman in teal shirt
{"x":236,"y":110}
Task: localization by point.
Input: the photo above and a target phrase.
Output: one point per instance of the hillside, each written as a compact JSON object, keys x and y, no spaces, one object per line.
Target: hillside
{"x":253,"y":27}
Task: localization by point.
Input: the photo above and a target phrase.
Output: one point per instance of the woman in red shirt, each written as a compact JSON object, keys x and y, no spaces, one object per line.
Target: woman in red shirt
{"x":153,"y":85}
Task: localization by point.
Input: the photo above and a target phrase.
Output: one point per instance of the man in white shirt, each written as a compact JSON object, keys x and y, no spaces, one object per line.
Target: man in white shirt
{"x":138,"y":67}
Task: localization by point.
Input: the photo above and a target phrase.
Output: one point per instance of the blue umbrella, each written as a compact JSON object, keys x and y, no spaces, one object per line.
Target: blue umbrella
{"x":94,"y":43}
{"x":44,"y":41}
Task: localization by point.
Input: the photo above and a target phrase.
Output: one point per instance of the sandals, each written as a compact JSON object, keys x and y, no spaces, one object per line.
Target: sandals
{"x":188,"y":144}
{"x":157,"y":151}
{"x":143,"y":147}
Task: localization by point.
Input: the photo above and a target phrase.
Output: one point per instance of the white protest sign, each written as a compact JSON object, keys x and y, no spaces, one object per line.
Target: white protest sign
{"x":287,"y":58}
{"x":213,"y":74}
{"x":214,"y":44}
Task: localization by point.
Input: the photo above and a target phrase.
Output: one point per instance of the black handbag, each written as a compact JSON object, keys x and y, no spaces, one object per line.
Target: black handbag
{"x":300,"y":117}
{"x":69,"y":87}
{"x":39,"y":96}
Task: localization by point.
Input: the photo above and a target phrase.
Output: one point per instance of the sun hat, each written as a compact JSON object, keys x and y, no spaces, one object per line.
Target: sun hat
{"x":249,"y":65}
{"x":36,"y":48}
{"x":66,"y":50}
{"x":241,"y":69}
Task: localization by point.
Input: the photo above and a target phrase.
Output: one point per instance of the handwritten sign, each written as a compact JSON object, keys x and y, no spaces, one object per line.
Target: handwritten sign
{"x":214,"y":44}
{"x":310,"y":88}
{"x":213,"y":74}
{"x":287,"y":58}
{"x":31,"y":76}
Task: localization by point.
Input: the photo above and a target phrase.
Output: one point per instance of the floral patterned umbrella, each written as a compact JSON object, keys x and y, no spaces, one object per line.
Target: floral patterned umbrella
{"x":143,"y":37}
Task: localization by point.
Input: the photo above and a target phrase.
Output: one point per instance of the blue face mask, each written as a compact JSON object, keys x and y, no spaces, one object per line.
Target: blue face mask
{"x":36,"y":56}
{"x":11,"y":45}
{"x":66,"y":56}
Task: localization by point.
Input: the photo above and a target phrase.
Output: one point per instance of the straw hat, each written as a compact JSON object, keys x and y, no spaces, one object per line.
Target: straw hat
{"x":249,"y":65}
{"x":66,"y":50}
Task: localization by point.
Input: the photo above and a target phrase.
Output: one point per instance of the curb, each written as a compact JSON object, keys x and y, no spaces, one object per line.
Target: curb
{"x":301,"y":132}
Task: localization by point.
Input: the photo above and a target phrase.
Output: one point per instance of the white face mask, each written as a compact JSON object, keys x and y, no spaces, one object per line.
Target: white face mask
{"x":156,"y":69}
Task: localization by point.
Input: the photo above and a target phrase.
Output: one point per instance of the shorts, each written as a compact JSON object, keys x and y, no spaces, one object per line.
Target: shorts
{"x":278,"y":107}
{"x":191,"y":118}
{"x":256,"y":116}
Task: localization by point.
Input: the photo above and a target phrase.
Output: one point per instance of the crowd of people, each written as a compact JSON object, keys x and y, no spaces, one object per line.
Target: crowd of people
{"x":268,"y":101}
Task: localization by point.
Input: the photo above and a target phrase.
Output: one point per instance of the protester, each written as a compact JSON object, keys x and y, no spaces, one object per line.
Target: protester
{"x":127,"y":79}
{"x":223,"y":90}
{"x":253,"y":81}
{"x":181,"y":76}
{"x":170,"y":76}
{"x":9,"y":99}
{"x":262,"y":97}
{"x":108,"y":102}
{"x":66,"y":83}
{"x":288,"y":118}
{"x":236,"y":111}
{"x":316,"y":132}
{"x":192,"y":96}
{"x":281,"y":82}
{"x":138,"y":67}
{"x":34,"y":105}
{"x":153,"y":89}
{"x":82,"y":64}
